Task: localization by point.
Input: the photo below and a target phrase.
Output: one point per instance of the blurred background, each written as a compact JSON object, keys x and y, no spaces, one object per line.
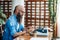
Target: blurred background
{"x":38,"y":13}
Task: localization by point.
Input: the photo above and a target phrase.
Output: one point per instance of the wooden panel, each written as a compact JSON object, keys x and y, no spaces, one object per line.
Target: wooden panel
{"x":6,"y":6}
{"x":37,"y":13}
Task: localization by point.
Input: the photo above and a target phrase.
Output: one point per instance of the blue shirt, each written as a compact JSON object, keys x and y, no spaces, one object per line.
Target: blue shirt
{"x":12,"y":27}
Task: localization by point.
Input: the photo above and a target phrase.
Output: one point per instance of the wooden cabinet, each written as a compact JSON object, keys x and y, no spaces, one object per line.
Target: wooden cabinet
{"x":37,"y":13}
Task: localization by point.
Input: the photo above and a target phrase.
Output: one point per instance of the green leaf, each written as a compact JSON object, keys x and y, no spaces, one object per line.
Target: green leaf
{"x":2,"y":17}
{"x":1,"y":21}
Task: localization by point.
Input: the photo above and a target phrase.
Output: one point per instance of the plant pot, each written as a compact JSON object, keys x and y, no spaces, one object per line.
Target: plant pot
{"x":0,"y":32}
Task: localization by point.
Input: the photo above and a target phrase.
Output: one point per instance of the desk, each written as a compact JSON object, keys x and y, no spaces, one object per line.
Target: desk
{"x":28,"y":37}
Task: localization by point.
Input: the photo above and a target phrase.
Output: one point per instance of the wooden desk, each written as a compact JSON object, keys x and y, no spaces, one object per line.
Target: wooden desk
{"x":28,"y":37}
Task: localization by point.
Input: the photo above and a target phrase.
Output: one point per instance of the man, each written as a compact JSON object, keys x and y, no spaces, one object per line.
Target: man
{"x":13,"y":26}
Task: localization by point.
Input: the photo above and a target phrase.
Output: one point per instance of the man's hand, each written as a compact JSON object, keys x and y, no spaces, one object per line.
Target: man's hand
{"x":30,"y":29}
{"x":24,"y":32}
{"x":19,"y":34}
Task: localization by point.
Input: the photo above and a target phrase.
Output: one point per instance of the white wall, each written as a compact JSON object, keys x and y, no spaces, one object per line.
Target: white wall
{"x":58,"y":18}
{"x":17,"y":2}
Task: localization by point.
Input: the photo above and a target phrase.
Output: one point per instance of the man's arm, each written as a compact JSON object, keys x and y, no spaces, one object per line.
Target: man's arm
{"x":19,"y":34}
{"x":21,"y":28}
{"x":13,"y":32}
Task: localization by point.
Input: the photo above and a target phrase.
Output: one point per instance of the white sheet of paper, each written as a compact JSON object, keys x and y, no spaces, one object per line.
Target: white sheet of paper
{"x":19,"y":38}
{"x":39,"y":38}
{"x":58,"y":39}
{"x":16,"y":38}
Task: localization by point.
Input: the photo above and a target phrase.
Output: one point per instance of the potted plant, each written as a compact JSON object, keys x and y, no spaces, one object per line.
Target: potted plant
{"x":2,"y":17}
{"x":2,"y":20}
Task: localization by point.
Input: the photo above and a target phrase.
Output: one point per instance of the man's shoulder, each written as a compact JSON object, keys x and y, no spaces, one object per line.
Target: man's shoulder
{"x":12,"y":16}
{"x":11,"y":20}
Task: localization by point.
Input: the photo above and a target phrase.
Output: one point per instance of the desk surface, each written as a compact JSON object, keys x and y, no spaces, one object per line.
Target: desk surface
{"x":28,"y":37}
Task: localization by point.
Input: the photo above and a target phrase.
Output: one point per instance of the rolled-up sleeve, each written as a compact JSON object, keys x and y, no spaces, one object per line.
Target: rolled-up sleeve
{"x":21,"y":28}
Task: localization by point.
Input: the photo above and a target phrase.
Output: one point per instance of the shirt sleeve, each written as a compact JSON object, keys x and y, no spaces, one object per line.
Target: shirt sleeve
{"x":11,"y":27}
{"x":21,"y":28}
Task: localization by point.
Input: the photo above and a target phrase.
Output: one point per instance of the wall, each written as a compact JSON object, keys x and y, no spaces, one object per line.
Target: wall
{"x":58,"y":18}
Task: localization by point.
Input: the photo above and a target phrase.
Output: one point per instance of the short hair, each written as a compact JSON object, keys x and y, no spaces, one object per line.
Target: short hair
{"x":18,"y":6}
